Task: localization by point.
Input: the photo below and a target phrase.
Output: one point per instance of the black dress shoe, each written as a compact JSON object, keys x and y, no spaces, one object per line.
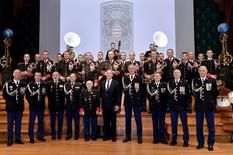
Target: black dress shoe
{"x":173,"y":143}
{"x":18,"y":141}
{"x":32,"y":141}
{"x":41,"y":139}
{"x":210,"y":147}
{"x":127,"y":139}
{"x":164,"y":141}
{"x":139,"y":140}
{"x":155,"y":141}
{"x":87,"y":139}
{"x":114,"y":139}
{"x":143,"y":110}
{"x":9,"y":143}
{"x":76,"y":137}
{"x":200,"y":146}
{"x":106,"y":138}
{"x":68,"y":137}
{"x":185,"y":144}
{"x":53,"y":138}
{"x":59,"y":137}
{"x":93,"y":138}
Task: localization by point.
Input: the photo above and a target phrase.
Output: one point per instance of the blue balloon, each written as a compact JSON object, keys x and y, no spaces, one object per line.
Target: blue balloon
{"x":223,"y":27}
{"x":7,"y":33}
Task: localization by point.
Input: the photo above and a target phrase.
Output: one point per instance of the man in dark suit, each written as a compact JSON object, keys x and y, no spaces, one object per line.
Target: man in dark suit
{"x":180,"y":104}
{"x":56,"y":99}
{"x":111,"y":102}
{"x":13,"y":93}
{"x":132,"y":85}
{"x":35,"y":94}
{"x":205,"y":91}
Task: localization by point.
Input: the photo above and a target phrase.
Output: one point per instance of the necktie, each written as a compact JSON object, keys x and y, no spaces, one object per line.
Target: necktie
{"x":131,"y":78}
{"x":177,"y":82}
{"x":56,"y":83}
{"x":17,"y":83}
{"x":108,"y":84}
{"x":202,"y":80}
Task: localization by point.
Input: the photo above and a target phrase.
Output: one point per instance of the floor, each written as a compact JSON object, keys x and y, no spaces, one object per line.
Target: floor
{"x":80,"y":147}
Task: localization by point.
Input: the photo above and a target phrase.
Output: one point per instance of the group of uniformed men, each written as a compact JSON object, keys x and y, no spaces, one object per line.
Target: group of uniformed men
{"x":89,"y":88}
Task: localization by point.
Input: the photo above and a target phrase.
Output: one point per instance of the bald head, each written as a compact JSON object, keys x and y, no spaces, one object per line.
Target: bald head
{"x":55,"y":75}
{"x":202,"y":71}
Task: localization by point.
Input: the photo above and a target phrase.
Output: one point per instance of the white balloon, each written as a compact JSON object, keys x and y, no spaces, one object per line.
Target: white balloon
{"x":160,"y":39}
{"x":72,"y":39}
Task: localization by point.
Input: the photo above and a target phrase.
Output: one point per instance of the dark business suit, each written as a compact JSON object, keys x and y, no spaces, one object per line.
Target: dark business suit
{"x":110,"y":98}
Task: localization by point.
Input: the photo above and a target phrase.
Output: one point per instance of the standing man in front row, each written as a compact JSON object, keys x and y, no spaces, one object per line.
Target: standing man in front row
{"x":13,"y":93}
{"x":180,"y":97}
{"x":205,"y":91}
{"x":111,"y":102}
{"x":72,"y":90}
{"x":56,"y":98}
{"x":35,"y":94}
{"x":132,"y":88}
{"x":89,"y":109}
{"x":157,"y":93}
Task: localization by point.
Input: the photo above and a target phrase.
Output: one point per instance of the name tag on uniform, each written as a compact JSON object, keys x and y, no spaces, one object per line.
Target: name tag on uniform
{"x":182,"y":90}
{"x":208,"y":86}
{"x":163,"y":90}
{"x":43,"y":91}
{"x":136,"y":85}
{"x":22,"y":90}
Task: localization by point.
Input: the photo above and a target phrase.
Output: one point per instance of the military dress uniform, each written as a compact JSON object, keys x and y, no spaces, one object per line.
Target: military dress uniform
{"x":132,"y":89}
{"x":46,"y":68}
{"x":149,"y":68}
{"x":90,"y":71}
{"x":13,"y":93}
{"x":134,"y":62}
{"x":66,"y":68}
{"x":180,"y":104}
{"x":212,"y":65}
{"x":35,"y":95}
{"x":56,"y":99}
{"x":157,"y":92}
{"x":205,"y":92}
{"x":22,"y":66}
{"x":72,"y":94}
{"x":171,"y":64}
{"x":89,"y":104}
